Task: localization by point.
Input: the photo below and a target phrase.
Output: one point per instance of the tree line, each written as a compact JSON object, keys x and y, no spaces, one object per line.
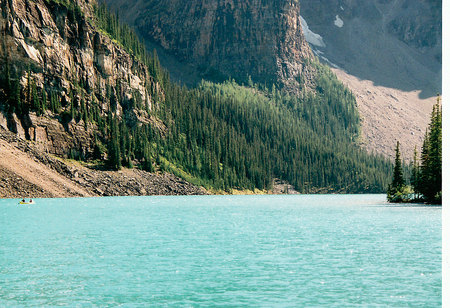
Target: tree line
{"x":221,"y":136}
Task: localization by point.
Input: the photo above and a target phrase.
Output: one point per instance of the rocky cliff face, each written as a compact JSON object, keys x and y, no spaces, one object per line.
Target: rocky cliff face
{"x":58,"y":44}
{"x":393,"y":43}
{"x":227,"y":38}
{"x":387,"y":52}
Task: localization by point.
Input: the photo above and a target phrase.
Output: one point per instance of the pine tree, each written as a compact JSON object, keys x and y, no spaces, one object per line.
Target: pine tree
{"x":430,"y":184}
{"x":415,"y":174}
{"x":17,"y":97}
{"x":44,"y":100}
{"x":147,"y":164}
{"x":114,"y":161}
{"x":398,"y":181}
{"x":36,"y":102}
{"x":114,"y":157}
{"x":28,"y":92}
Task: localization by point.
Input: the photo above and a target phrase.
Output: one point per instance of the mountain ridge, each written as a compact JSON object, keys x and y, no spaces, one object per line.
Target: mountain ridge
{"x":228,"y":39}
{"x":117,"y":107}
{"x":391,"y":49}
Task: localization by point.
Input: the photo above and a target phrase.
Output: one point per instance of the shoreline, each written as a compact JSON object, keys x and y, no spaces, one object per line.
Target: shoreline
{"x":25,"y":171}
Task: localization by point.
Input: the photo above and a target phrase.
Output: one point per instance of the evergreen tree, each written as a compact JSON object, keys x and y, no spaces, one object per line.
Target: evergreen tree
{"x":44,"y":100}
{"x":415,"y":174}
{"x":147,"y":164}
{"x":114,"y":156}
{"x":17,"y":97}
{"x":36,"y":102}
{"x":430,"y":184}
{"x":398,"y":181}
{"x":114,"y":161}
{"x":395,"y":189}
{"x":28,"y":92}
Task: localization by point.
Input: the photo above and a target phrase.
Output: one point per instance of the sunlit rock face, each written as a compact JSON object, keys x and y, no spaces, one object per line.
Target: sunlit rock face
{"x":226,"y":38}
{"x":71,"y":58}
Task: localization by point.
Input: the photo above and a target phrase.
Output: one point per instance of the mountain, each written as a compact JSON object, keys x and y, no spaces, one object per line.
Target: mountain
{"x":223,"y":39}
{"x":387,"y":52}
{"x":62,"y":75}
{"x":77,"y":83}
{"x":397,"y":44}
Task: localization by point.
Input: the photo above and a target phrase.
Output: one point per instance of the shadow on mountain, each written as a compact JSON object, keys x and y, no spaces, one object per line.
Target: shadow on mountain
{"x":394,"y":44}
{"x":380,"y":58}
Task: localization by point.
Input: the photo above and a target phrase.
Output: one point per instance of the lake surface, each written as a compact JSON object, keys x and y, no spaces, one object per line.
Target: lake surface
{"x":236,"y":251}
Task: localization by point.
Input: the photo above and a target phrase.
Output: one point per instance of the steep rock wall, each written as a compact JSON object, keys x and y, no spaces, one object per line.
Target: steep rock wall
{"x":227,"y":38}
{"x":65,"y":52}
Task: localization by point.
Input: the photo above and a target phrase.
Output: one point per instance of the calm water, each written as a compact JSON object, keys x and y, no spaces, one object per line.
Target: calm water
{"x":261,"y":251}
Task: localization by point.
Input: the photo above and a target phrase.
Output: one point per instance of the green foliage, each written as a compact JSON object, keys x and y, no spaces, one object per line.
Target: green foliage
{"x":74,"y":11}
{"x":114,"y":155}
{"x":430,"y":175}
{"x":426,"y":178}
{"x":221,"y":136}
{"x":400,"y":195}
{"x":147,"y":164}
{"x":233,"y":136}
{"x":397,"y":190}
{"x":398,"y":181}
{"x":99,"y":149}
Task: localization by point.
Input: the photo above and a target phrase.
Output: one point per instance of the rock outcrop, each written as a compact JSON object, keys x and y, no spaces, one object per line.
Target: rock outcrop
{"x":228,"y":38}
{"x":60,"y":46}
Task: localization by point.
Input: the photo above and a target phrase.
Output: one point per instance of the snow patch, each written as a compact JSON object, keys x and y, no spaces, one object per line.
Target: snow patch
{"x":342,"y":8}
{"x":338,"y":22}
{"x":320,"y":54}
{"x":311,"y":37}
{"x":329,"y":62}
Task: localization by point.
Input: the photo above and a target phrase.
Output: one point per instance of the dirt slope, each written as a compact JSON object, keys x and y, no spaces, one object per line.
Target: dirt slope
{"x":26,"y":172}
{"x":23,"y":176}
{"x":388,"y":115}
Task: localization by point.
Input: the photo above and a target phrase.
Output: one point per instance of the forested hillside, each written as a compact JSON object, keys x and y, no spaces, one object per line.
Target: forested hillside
{"x":220,"y":136}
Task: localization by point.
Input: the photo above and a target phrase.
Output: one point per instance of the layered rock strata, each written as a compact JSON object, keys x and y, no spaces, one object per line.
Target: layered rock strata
{"x":241,"y":39}
{"x":60,"y":46}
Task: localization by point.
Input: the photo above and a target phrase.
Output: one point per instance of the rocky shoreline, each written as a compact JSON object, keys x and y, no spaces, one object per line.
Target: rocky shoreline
{"x":48,"y":176}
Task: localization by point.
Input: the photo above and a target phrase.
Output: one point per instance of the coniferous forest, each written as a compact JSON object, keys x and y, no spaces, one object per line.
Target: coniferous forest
{"x":426,"y":174}
{"x":222,"y":136}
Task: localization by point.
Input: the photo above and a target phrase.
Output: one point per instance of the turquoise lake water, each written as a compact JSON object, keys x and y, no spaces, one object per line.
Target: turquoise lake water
{"x":235,"y":251}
